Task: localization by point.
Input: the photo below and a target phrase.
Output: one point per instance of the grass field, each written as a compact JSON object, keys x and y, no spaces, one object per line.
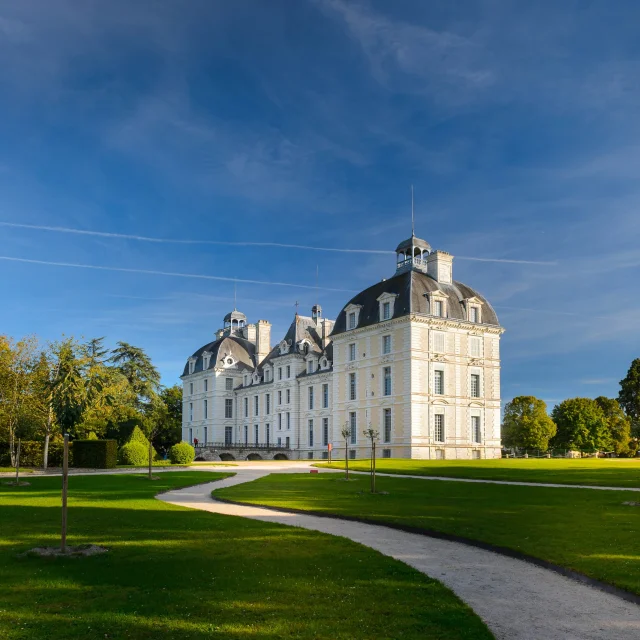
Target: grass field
{"x":604,"y":472}
{"x":586,"y":530}
{"x":13,"y":470}
{"x":180,"y":573}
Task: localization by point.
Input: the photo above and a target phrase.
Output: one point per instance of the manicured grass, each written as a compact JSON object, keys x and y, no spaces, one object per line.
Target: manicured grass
{"x":176,"y":573}
{"x":13,"y":470}
{"x":604,"y":472}
{"x":586,"y":530}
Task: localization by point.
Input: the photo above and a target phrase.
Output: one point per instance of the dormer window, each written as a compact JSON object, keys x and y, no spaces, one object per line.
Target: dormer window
{"x":284,"y":347}
{"x":324,"y":363}
{"x":206,"y":360}
{"x":438,"y":308}
{"x":387,"y":303}
{"x":267,"y":375}
{"x":474,"y":314}
{"x":192,"y":365}
{"x":256,"y":378}
{"x":228,"y":361}
{"x":353,"y":312}
{"x":310,"y":366}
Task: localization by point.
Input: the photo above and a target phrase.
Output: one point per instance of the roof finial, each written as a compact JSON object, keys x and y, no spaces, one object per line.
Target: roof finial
{"x":297,"y":305}
{"x":413,"y":226}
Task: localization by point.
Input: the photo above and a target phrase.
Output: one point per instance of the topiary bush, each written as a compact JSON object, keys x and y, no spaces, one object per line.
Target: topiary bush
{"x":182,"y":453}
{"x":137,"y":435}
{"x":134,"y":453}
{"x":95,"y":454}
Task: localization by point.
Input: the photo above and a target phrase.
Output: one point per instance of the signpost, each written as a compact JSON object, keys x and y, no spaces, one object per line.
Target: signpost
{"x":329,"y":448}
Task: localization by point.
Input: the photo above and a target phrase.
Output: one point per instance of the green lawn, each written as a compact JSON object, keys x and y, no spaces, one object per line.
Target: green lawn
{"x":583,"y":529}
{"x":13,"y":470}
{"x":603,"y":472}
{"x":175,"y":573}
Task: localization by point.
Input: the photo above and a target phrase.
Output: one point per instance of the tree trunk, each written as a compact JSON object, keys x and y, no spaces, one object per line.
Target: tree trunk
{"x":150,"y":457}
{"x":373,"y":467}
{"x":65,"y":488}
{"x":346,"y":459}
{"x":47,"y":435}
{"x":18,"y":465}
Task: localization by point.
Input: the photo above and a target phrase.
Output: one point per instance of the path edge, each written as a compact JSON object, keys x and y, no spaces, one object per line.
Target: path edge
{"x":486,"y":546}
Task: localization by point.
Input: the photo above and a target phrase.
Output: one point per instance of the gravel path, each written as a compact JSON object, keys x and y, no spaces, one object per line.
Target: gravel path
{"x":517,"y":600}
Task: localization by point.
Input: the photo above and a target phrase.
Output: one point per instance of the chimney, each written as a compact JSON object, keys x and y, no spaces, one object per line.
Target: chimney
{"x":440,"y":266}
{"x":326,"y":327}
{"x":249,"y":333}
{"x":262,"y":340}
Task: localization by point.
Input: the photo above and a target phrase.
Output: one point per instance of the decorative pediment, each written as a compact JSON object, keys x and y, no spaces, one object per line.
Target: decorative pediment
{"x":386,"y":297}
{"x":284,"y":347}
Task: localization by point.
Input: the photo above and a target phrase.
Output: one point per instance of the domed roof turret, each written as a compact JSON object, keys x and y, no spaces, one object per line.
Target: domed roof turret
{"x":235,"y":315}
{"x":415,"y":243}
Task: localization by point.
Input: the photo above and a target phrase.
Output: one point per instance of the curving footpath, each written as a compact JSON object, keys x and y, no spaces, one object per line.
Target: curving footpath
{"x":517,"y":600}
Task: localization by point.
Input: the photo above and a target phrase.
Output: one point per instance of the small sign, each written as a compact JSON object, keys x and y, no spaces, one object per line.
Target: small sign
{"x":313,"y":471}
{"x":330,"y":447}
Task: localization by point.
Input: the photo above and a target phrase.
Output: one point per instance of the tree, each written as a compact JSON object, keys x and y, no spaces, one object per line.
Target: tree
{"x":168,"y":418}
{"x":346,"y":434}
{"x":527,"y":424}
{"x":96,"y":352}
{"x":629,"y":396}
{"x":137,"y":368}
{"x":17,"y":363}
{"x":619,"y":425}
{"x":581,"y":425}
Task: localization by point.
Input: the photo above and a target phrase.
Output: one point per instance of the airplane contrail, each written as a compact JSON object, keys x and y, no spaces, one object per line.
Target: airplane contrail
{"x":125,"y":236}
{"x":169,"y":273}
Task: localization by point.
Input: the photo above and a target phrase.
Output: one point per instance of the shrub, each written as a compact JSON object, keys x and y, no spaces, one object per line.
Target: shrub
{"x":134,"y":453}
{"x":182,"y":453}
{"x":137,"y":435}
{"x":32,"y":453}
{"x":95,"y":454}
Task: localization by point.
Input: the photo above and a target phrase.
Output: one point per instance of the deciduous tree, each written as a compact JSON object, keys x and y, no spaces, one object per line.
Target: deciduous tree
{"x":581,"y":425}
{"x":618,"y":424}
{"x":629,"y":396}
{"x":527,"y":424}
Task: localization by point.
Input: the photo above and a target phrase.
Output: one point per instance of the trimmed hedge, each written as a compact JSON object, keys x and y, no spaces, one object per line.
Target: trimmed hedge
{"x":95,"y":454}
{"x":134,"y":453}
{"x":182,"y":453}
{"x":32,"y":453}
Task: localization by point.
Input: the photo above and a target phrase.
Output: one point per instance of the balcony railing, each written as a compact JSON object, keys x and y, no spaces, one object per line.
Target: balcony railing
{"x":410,"y":263}
{"x":241,"y":445}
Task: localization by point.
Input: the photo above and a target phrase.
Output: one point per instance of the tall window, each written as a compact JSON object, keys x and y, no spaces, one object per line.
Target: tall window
{"x":288,"y":396}
{"x":256,"y":405}
{"x":311,"y":433}
{"x":438,"y":308}
{"x":246,"y":434}
{"x":438,"y":341}
{"x":191,"y":388}
{"x":438,"y":382}
{"x":256,"y":433}
{"x":266,"y":375}
{"x":325,"y":396}
{"x":475,"y":429}
{"x":190,"y":435}
{"x":387,"y":425}
{"x":206,"y":384}
{"x":352,"y":320}
{"x":475,"y":385}
{"x":228,"y":435}
{"x":206,"y":435}
{"x":288,"y":420}
{"x":279,"y":373}
{"x":228,"y":407}
{"x":474,"y":347}
{"x":192,"y":366}
{"x":280,"y":421}
{"x":439,"y":427}
{"x":279,"y":397}
{"x":310,"y":398}
{"x":387,"y":381}
{"x":386,"y":344}
{"x":267,"y":432}
{"x":287,"y":442}
{"x":191,"y":411}
{"x":246,"y":407}
{"x":310,"y":366}
{"x":268,"y":404}
{"x":353,"y":427}
{"x":386,"y":310}
{"x":228,"y":384}
{"x":288,"y":371}
{"x":205,"y":409}
{"x":474,"y":314}
{"x":325,"y":432}
{"x":352,"y":352}
{"x":352,"y":386}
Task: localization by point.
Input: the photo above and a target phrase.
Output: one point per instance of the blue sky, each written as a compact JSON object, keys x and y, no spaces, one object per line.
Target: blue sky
{"x":305,"y":123}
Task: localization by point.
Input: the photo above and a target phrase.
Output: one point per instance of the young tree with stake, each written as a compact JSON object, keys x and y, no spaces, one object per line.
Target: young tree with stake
{"x":373,"y":435}
{"x":346,"y":434}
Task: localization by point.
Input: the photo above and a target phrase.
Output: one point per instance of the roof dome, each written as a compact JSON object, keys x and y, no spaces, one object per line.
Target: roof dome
{"x":240,"y":351}
{"x":411,"y":289}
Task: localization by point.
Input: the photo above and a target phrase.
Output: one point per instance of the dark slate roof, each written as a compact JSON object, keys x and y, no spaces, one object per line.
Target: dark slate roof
{"x":410,"y":288}
{"x":301,"y":327}
{"x":241,"y":350}
{"x":413,"y":242}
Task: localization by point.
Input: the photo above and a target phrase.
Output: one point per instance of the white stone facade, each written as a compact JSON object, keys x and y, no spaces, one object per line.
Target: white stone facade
{"x":415,"y":357}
